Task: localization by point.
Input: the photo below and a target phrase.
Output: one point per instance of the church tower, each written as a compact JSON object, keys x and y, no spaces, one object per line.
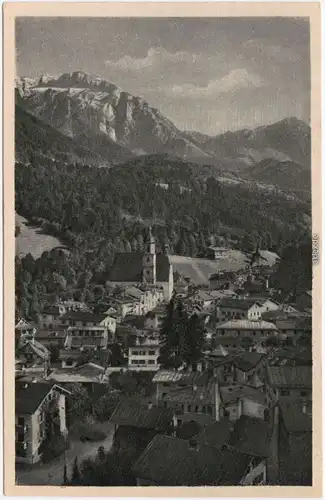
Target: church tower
{"x":149,"y":260}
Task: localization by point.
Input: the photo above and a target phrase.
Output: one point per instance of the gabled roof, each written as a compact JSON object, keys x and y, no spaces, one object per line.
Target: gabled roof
{"x":38,"y":348}
{"x":83,"y":316}
{"x":290,"y":376}
{"x":251,"y":436}
{"x":132,"y":414}
{"x":169,"y":461}
{"x":29,"y":398}
{"x":88,"y":341}
{"x":194,"y":395}
{"x":245,"y":324}
{"x":243,"y":305}
{"x":181,"y":377}
{"x":127,"y":267}
{"x":215,"y":435}
{"x":232,"y":393}
{"x":246,"y":361}
{"x":293,"y":417}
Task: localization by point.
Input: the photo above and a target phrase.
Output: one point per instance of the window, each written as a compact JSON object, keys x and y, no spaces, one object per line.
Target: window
{"x":285,"y":392}
{"x":69,"y":362}
{"x":189,"y":408}
{"x":152,"y":353}
{"x":134,"y":353}
{"x":209,"y":409}
{"x":141,"y":362}
{"x":151,"y":362}
{"x":196,"y":409}
{"x":204,"y":409}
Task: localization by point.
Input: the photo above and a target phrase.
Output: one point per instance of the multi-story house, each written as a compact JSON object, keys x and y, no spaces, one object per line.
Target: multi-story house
{"x":86,"y":319}
{"x":40,"y":415}
{"x":240,"y":328}
{"x":144,"y":354}
{"x":293,"y":381}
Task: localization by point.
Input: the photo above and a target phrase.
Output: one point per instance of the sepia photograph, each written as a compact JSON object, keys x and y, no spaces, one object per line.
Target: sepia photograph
{"x":163,"y":251}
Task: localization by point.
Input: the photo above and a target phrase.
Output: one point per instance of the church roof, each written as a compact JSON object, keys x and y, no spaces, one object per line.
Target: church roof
{"x":127,"y":267}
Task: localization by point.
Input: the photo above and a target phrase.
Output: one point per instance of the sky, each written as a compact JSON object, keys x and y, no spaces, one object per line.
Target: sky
{"x":204,"y":74}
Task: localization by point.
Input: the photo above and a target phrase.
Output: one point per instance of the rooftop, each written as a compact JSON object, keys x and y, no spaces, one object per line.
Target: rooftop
{"x":245,"y":324}
{"x":242,"y":304}
{"x":290,"y":376}
{"x":251,"y":436}
{"x":29,"y":398}
{"x":216,"y":434}
{"x":83,"y":316}
{"x":232,"y":393}
{"x":183,"y":377}
{"x":130,"y":413}
{"x":169,"y":461}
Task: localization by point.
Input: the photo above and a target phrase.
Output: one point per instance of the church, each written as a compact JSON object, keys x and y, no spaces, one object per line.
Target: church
{"x":150,"y":268}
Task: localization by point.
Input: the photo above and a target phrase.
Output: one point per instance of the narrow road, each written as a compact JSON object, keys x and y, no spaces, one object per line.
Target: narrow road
{"x":51,"y":474}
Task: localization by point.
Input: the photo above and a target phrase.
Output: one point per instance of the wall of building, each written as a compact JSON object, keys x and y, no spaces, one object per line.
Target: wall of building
{"x":144,"y":356}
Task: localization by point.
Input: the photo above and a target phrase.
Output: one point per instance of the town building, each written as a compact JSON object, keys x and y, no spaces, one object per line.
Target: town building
{"x":143,"y":268}
{"x":35,"y":403}
{"x":144,"y":354}
{"x":240,"y":328}
{"x":295,"y":442}
{"x":86,"y":319}
{"x":170,"y":461}
{"x":293,"y":381}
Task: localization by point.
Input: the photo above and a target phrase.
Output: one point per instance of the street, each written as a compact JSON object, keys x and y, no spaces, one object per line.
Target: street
{"x":51,"y":474}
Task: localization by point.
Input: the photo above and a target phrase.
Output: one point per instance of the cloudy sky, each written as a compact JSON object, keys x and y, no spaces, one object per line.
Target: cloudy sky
{"x":209,"y":75}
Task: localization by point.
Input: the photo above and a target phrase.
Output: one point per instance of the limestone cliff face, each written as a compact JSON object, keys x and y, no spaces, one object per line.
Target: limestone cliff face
{"x":79,"y":105}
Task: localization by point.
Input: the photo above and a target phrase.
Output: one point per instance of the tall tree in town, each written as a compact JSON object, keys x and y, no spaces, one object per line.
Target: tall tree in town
{"x":194,"y":338}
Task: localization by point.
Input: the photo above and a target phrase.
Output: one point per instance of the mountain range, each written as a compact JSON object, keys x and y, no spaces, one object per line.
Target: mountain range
{"x":93,"y":121}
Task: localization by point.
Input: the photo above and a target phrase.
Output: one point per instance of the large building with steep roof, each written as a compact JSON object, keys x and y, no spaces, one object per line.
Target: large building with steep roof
{"x":146,"y":267}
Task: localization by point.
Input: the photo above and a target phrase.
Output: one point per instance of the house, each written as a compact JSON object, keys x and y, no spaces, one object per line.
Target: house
{"x":135,"y":425}
{"x":240,"y":399}
{"x":148,"y":297}
{"x":33,"y":356}
{"x":260,"y":307}
{"x":88,"y":319}
{"x":240,"y":328}
{"x":215,"y":253}
{"x":144,"y":354}
{"x":305,"y":301}
{"x":200,"y":403}
{"x":222,"y":280}
{"x":229,"y":308}
{"x":51,"y":315}
{"x":35,"y":403}
{"x":251,"y":436}
{"x":169,"y":461}
{"x":52,"y":337}
{"x":293,"y":326}
{"x":87,"y":374}
{"x":24,"y":331}
{"x":294,"y":381}
{"x":147,"y":268}
{"x":295,"y":442}
{"x":243,"y":367}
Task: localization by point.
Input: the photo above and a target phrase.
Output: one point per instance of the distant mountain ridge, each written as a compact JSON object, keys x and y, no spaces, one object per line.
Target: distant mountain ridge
{"x":114,"y":126}
{"x":79,"y":105}
{"x":288,"y":139}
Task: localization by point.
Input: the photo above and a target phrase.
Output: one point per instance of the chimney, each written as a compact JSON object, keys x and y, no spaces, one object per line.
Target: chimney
{"x":149,"y":405}
{"x":193,"y":445}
